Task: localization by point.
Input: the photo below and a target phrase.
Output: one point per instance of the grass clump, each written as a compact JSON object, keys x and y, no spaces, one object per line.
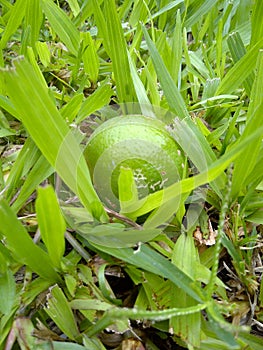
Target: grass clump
{"x":179,"y":268}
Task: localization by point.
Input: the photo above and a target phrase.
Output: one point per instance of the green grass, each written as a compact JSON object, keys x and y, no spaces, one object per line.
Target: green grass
{"x":182,"y":266}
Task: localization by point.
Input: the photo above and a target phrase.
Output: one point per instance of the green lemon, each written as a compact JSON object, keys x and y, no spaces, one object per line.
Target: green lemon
{"x":137,"y":142}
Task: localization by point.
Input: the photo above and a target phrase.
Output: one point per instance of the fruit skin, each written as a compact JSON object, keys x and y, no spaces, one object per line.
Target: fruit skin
{"x":140,"y":143}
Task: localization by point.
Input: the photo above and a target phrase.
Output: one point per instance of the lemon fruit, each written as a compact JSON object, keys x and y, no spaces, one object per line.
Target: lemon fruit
{"x":137,"y":142}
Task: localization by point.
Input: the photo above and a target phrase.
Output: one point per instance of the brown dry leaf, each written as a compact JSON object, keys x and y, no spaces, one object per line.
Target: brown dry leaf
{"x":198,"y":236}
{"x":132,"y":344}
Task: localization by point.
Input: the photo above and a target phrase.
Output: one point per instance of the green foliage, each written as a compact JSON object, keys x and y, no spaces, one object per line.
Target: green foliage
{"x":51,"y":224}
{"x":191,"y":253}
{"x":21,"y":245}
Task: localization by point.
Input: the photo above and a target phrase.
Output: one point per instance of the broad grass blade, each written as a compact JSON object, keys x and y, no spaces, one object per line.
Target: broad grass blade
{"x":127,"y":189}
{"x":40,"y":171}
{"x":33,"y":19}
{"x":186,"y":258}
{"x":22,"y":246}
{"x":51,"y":224}
{"x":60,"y":312}
{"x":74,"y":5}
{"x":43,"y":52}
{"x":139,"y":13}
{"x":112,"y":314}
{"x":94,"y":102}
{"x":116,"y":236}
{"x":101,"y":23}
{"x":247,"y":160}
{"x":238,"y":50}
{"x":141,"y":93}
{"x":256,"y":22}
{"x":8,"y":290}
{"x":62,"y":25}
{"x":197,"y":9}
{"x":176,"y":56}
{"x":21,"y":167}
{"x":89,"y":343}
{"x":7,"y":105}
{"x":71,"y":109}
{"x":34,"y":168}
{"x":253,"y":341}
{"x":118,"y":54}
{"x":15,"y":20}
{"x":90,"y":57}
{"x":169,"y":6}
{"x":171,"y":91}
{"x":240,"y":71}
{"x":51,"y":133}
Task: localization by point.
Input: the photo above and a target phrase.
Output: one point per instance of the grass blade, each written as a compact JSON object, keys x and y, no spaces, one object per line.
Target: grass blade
{"x":238,"y":50}
{"x":71,"y":109}
{"x":196,"y":10}
{"x":118,"y":54}
{"x":51,"y":133}
{"x":256,"y":22}
{"x":146,"y":258}
{"x":171,"y":92}
{"x":142,"y":97}
{"x":90,"y":57}
{"x":127,"y":189}
{"x":62,"y":25}
{"x":15,"y":20}
{"x":22,"y":246}
{"x":40,"y":171}
{"x":166,"y":8}
{"x":240,"y":71}
{"x":114,"y":236}
{"x":33,"y":19}
{"x":186,"y":258}
{"x":176,"y":59}
{"x":8,"y":290}
{"x":94,"y":102}
{"x":51,"y":223}
{"x":101,"y":23}
{"x":59,"y":310}
{"x":74,"y":5}
{"x":35,"y":169}
{"x":247,"y":160}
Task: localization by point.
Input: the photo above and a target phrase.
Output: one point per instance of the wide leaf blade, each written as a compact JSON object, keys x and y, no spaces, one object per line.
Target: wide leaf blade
{"x":22,"y":246}
{"x":118,"y":54}
{"x":59,"y":310}
{"x":50,"y":132}
{"x":62,"y":25}
{"x":51,"y":223}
